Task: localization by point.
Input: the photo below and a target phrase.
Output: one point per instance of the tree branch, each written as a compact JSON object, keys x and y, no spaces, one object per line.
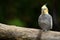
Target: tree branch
{"x":10,"y":32}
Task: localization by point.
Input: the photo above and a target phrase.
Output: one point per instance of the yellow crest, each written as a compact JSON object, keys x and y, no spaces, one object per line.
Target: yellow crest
{"x":44,"y":9}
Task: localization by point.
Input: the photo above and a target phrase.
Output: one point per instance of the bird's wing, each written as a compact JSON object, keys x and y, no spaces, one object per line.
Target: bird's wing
{"x":51,"y":23}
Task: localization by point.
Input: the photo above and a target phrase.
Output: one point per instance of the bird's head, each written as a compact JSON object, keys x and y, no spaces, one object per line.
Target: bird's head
{"x":44,"y":9}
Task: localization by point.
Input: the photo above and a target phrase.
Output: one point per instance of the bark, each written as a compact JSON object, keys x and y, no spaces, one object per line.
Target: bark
{"x":10,"y":32}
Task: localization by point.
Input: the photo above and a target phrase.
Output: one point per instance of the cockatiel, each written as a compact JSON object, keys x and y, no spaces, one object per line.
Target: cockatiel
{"x":45,"y":19}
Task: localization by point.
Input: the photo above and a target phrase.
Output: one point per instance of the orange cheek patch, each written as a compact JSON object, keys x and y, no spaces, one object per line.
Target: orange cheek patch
{"x":46,"y":10}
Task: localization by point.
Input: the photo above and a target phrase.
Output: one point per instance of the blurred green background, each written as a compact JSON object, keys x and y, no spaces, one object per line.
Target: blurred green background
{"x":23,"y":13}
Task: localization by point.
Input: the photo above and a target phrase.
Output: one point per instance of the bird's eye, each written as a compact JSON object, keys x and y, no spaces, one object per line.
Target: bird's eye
{"x":44,"y":9}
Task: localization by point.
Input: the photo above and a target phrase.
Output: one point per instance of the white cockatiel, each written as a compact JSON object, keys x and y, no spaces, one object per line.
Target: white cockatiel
{"x":45,"y":19}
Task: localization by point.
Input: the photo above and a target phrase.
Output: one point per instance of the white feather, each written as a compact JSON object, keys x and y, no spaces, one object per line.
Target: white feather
{"x":44,"y":7}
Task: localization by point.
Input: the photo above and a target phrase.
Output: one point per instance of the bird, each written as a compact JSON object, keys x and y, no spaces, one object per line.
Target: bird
{"x":45,"y":20}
